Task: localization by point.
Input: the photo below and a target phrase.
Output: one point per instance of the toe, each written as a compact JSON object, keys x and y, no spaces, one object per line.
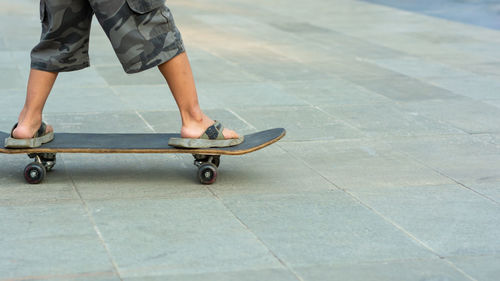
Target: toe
{"x":49,"y":129}
{"x":230,"y":134}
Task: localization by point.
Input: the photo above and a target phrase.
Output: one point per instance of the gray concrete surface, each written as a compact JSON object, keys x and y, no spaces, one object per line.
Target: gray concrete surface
{"x":390,"y":169}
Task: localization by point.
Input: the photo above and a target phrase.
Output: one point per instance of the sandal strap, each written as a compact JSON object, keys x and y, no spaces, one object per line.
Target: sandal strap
{"x":41,"y":130}
{"x":13,"y":128}
{"x":214,"y":132}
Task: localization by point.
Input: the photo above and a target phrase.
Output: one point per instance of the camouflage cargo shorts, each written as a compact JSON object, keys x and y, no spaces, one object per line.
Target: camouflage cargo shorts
{"x":142,"y":33}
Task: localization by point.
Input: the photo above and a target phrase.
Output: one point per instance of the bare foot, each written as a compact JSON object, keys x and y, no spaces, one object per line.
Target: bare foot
{"x":196,"y":129}
{"x":27,"y":131}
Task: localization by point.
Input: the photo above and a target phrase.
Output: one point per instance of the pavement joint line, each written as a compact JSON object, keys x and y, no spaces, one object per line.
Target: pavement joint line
{"x":136,"y":112}
{"x":241,"y":119}
{"x":459,"y":269}
{"x":145,"y":122}
{"x":92,"y":221}
{"x":233,"y":63}
{"x":339,"y":120}
{"x":60,"y":276}
{"x":283,"y":263}
{"x":355,"y":198}
{"x":449,"y":177}
{"x":400,"y":228}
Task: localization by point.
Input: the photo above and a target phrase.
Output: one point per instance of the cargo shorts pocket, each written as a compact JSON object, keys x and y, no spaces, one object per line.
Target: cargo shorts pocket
{"x":144,"y":6}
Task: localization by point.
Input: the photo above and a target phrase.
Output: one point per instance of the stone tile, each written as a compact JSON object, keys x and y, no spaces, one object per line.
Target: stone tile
{"x":489,"y":187}
{"x":96,"y":122}
{"x":463,"y":158}
{"x":421,"y":68}
{"x":245,"y":95}
{"x":271,"y":66}
{"x":300,"y":27}
{"x":486,"y":68}
{"x":334,"y":91}
{"x":416,"y":270}
{"x":403,"y":89}
{"x":146,"y":97}
{"x":60,"y":234}
{"x":385,"y":120}
{"x":253,"y":275}
{"x":466,"y":114}
{"x":14,"y":98}
{"x":492,"y":139}
{"x":5,"y":57}
{"x":304,"y":123}
{"x":115,"y":76}
{"x":463,"y":12}
{"x":87,"y":276}
{"x":484,"y":268}
{"x":16,"y":192}
{"x":268,"y":171}
{"x":352,"y":164}
{"x":450,"y":219}
{"x":3,"y":47}
{"x":177,"y":236}
{"x":22,"y":59}
{"x":11,"y":78}
{"x":85,"y":78}
{"x":83,"y":100}
{"x":343,"y":45}
{"x":320,"y":228}
{"x":221,"y":71}
{"x":133,"y":176}
{"x":494,"y":102}
{"x":356,"y":70}
{"x":478,"y":87}
{"x":24,"y":42}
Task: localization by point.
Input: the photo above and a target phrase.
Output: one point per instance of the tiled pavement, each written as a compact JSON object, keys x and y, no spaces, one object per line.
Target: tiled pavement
{"x":390,"y":169}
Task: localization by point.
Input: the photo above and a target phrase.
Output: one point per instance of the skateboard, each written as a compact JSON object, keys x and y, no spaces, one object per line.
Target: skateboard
{"x":206,"y":159}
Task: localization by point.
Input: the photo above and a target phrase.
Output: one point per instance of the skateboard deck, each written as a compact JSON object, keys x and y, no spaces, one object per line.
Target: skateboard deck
{"x":206,"y":159}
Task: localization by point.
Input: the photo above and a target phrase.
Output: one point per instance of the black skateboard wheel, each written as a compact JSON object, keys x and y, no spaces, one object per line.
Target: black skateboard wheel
{"x":34,"y":173}
{"x":207,"y":173}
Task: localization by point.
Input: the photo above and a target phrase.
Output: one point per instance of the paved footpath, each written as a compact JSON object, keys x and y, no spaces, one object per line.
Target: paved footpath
{"x":390,"y":169}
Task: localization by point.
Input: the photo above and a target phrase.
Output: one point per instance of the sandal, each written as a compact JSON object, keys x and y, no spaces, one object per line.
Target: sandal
{"x":212,"y":137}
{"x":38,"y":139}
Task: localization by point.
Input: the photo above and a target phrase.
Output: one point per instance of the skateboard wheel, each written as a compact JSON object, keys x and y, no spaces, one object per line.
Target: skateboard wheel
{"x":207,"y":173}
{"x":34,"y":173}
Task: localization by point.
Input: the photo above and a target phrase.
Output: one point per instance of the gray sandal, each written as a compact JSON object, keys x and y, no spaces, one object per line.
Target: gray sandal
{"x":212,"y":137}
{"x":38,"y":139}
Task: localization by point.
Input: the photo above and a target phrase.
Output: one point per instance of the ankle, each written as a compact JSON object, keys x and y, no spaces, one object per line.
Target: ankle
{"x":30,"y":120}
{"x":193,"y":116}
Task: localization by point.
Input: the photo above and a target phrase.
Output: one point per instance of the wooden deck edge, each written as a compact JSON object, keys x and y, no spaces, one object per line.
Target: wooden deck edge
{"x":141,"y":151}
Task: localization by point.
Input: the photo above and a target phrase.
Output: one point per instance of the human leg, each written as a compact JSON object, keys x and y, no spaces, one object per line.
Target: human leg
{"x":63,"y":47}
{"x":178,"y":74}
{"x":145,"y":36}
{"x":39,"y":86}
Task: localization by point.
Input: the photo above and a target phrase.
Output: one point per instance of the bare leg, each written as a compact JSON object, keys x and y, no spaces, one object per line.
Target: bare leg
{"x":177,"y":72}
{"x":39,"y":86}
